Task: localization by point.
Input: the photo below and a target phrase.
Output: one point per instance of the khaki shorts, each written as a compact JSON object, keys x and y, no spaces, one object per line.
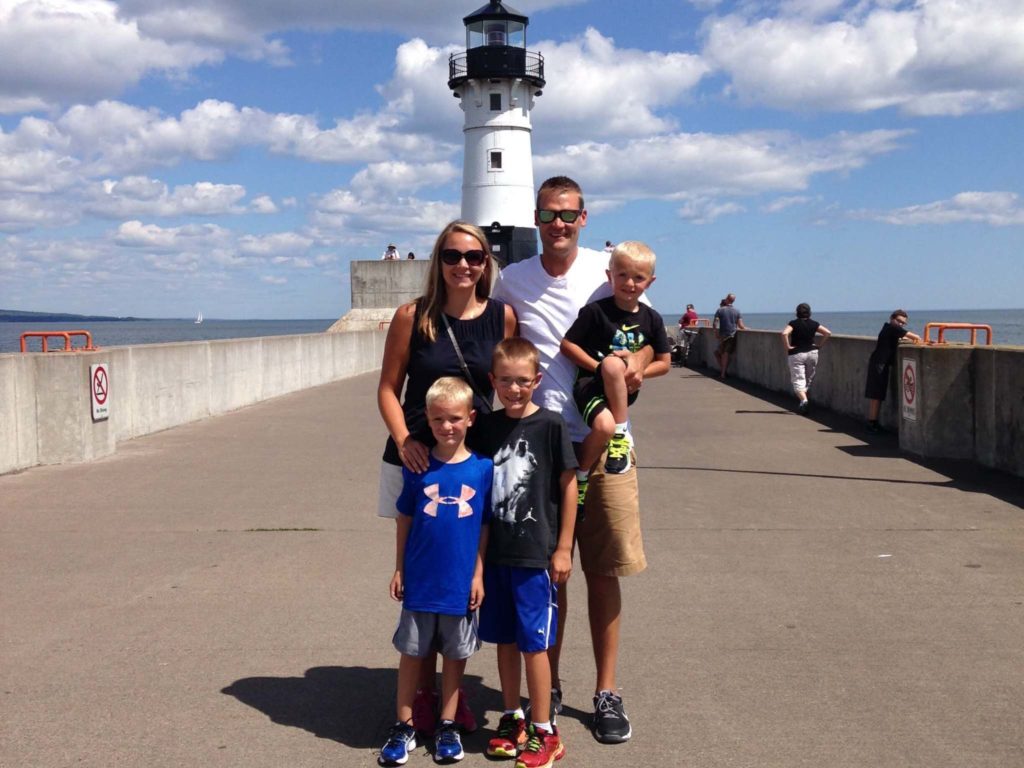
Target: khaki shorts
{"x":609,"y":535}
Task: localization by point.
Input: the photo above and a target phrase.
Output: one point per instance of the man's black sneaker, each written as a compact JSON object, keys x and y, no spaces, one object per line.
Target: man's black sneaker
{"x":804,"y":407}
{"x":610,"y":725}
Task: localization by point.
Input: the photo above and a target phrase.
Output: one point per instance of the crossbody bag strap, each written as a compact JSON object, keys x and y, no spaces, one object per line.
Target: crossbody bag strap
{"x":462,"y":363}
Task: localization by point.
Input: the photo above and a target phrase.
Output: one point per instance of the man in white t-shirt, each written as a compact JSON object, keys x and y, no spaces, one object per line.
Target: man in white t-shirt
{"x":547,"y":293}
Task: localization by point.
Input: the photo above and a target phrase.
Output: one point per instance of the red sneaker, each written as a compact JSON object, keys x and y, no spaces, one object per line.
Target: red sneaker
{"x":511,"y":737}
{"x":424,"y":711}
{"x":463,"y":715}
{"x":542,"y":749}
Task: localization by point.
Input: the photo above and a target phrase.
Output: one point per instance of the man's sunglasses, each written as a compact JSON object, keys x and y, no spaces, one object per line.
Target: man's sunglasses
{"x":451,"y":257}
{"x":545,"y":216}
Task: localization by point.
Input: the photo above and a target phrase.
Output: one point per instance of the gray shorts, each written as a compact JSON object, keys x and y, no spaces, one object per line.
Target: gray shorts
{"x":419,"y":633}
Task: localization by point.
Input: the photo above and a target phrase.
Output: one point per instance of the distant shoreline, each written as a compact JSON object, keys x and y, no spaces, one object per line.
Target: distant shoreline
{"x":16,"y":316}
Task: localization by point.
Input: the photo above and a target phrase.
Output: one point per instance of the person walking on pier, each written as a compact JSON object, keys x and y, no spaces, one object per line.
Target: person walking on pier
{"x":547,"y":292}
{"x":881,"y":361}
{"x":798,"y":339}
{"x":457,"y":309}
{"x":728,"y":320}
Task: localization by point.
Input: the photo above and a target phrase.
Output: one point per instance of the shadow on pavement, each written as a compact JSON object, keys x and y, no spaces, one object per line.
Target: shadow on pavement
{"x":356,"y":705}
{"x":351,"y":705}
{"x":966,"y":476}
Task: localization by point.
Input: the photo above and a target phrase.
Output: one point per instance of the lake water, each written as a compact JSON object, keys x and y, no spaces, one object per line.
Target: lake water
{"x":1007,"y":327}
{"x":119,"y":333}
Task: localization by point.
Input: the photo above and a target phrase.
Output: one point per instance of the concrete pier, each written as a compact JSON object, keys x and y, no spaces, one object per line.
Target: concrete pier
{"x":216,"y":595}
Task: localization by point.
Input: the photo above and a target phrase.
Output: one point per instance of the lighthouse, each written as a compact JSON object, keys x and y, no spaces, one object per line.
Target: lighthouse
{"x":496,"y":80}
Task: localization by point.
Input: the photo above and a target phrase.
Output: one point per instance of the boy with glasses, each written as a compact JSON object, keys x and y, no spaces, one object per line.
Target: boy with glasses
{"x":530,"y":549}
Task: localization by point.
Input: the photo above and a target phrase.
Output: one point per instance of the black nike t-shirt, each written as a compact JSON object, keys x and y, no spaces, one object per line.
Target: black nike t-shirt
{"x":602,"y":328}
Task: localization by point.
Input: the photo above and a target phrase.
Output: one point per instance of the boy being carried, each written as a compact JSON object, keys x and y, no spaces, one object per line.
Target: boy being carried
{"x":597,"y":342}
{"x":440,"y":543}
{"x":530,"y":550}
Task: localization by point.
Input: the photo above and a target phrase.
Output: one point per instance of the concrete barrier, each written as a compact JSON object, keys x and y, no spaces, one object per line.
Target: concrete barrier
{"x":378,"y":289}
{"x":46,"y":406}
{"x":970,"y":401}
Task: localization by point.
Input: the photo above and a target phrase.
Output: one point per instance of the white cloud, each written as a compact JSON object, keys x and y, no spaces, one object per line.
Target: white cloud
{"x":782,"y":203}
{"x":398,"y":178}
{"x":263,"y":204}
{"x":613,"y":91}
{"x":586,"y":71}
{"x":57,"y":51}
{"x":142,"y":196}
{"x":682,"y":166}
{"x":18,"y":214}
{"x":932,"y":57}
{"x":997,"y":209}
{"x":279,"y":244}
{"x":702,"y":210}
{"x":135,"y":234}
{"x":274,"y":280}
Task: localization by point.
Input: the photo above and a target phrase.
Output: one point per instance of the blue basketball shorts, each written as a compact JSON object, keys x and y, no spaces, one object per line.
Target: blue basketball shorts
{"x":520,"y":606}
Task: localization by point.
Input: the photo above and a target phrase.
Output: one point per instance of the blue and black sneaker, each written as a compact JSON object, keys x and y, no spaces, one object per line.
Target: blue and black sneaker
{"x":447,"y":744}
{"x":401,"y":741}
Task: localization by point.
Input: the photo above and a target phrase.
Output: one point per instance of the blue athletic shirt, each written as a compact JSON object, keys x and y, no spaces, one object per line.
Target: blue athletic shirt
{"x":448,"y":503}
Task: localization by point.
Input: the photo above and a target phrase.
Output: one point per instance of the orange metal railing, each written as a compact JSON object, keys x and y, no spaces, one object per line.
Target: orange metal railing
{"x":943,"y":327}
{"x":66,"y":335}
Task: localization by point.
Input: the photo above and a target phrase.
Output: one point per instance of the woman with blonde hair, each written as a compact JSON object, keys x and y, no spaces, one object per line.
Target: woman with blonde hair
{"x":451,"y":330}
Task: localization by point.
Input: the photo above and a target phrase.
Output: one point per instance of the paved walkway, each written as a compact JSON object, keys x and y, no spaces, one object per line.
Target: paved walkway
{"x":215,"y":595}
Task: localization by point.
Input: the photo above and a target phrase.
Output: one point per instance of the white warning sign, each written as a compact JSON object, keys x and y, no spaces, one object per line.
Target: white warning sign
{"x":910,"y":388}
{"x":99,"y":385}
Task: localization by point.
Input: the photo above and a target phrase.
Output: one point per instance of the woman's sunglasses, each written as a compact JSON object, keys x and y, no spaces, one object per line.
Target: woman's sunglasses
{"x":451,"y":257}
{"x":545,"y":216}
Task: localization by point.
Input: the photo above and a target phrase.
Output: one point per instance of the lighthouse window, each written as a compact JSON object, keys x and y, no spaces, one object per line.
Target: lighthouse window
{"x":495,"y":102}
{"x":496,"y":34}
{"x":494,"y":161}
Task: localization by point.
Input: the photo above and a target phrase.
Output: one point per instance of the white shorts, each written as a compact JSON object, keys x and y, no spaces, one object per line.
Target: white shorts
{"x":390,"y":489}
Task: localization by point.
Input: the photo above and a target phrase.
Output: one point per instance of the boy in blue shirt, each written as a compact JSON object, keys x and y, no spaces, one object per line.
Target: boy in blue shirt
{"x":530,"y":549}
{"x":440,"y":543}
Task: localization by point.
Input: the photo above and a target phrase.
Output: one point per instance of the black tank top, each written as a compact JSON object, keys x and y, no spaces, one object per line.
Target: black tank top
{"x":429,"y":361}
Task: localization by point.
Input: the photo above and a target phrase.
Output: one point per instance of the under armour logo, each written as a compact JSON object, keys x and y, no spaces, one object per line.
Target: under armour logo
{"x":433,"y":492}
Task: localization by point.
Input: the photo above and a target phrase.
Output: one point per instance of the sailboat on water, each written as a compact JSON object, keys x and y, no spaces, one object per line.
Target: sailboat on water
{"x":199,"y":317}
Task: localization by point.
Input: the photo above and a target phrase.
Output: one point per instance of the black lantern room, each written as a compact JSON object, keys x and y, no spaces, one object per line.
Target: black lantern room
{"x":496,"y":48}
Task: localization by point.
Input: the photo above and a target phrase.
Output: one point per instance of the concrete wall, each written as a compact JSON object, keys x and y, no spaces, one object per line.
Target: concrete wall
{"x":46,"y":407}
{"x":378,"y":289}
{"x":970,"y":400}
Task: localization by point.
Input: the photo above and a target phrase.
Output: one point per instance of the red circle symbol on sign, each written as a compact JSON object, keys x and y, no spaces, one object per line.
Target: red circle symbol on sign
{"x":99,"y":385}
{"x":909,"y":385}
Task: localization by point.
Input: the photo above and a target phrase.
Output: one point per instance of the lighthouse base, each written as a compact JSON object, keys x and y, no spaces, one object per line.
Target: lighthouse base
{"x":511,"y":244}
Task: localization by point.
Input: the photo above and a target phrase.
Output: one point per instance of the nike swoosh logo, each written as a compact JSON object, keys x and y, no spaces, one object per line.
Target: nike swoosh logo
{"x":630,"y":327}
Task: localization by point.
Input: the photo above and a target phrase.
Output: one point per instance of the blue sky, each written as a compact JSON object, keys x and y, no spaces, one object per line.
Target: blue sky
{"x":234,"y":157}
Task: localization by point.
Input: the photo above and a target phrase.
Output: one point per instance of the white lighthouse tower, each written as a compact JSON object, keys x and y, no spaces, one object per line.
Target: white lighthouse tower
{"x":496,"y":80}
